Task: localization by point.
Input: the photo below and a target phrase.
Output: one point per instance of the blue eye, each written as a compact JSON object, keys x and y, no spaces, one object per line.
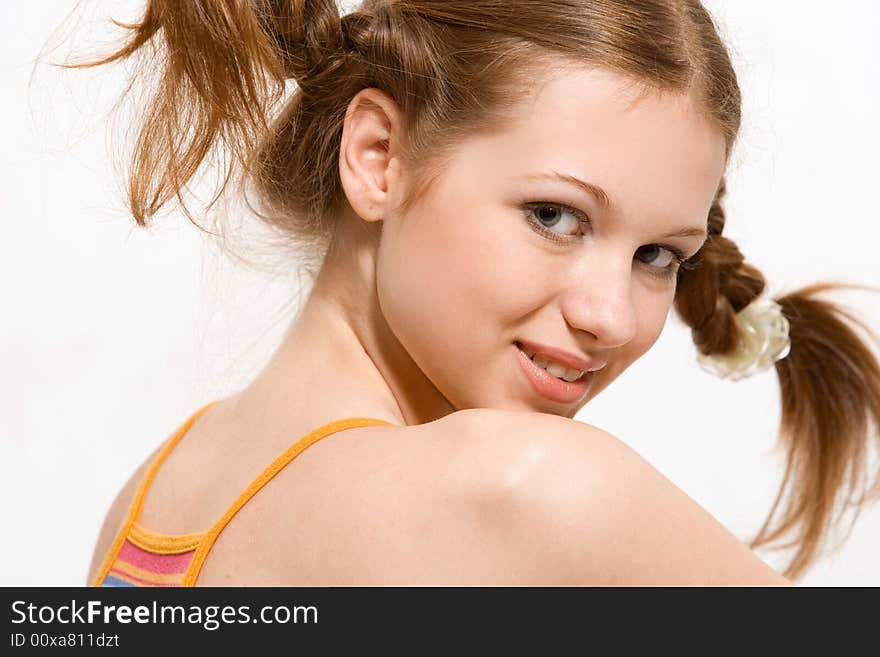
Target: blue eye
{"x":671,"y":263}
{"x":556,"y":219}
{"x":561,"y":223}
{"x":653,"y":250}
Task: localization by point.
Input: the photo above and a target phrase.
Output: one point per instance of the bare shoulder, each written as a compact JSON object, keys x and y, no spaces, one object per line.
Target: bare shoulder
{"x":116,"y":516}
{"x":573,"y":504}
{"x":506,"y":449}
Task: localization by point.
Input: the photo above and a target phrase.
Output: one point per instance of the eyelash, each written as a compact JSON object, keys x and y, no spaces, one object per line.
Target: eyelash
{"x":664,"y":273}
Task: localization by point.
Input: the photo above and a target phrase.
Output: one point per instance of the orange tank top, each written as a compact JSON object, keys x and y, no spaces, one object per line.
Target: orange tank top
{"x":140,"y":557}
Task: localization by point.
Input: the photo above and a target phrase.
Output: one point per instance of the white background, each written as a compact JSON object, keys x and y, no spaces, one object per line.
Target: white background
{"x":111,"y":335}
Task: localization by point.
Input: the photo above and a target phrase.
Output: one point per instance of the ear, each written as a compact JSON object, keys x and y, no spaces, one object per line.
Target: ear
{"x":369,"y":153}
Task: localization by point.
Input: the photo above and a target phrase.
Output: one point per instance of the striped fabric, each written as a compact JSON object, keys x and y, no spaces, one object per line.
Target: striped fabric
{"x":150,"y":559}
{"x":140,"y":557}
{"x":138,"y":567}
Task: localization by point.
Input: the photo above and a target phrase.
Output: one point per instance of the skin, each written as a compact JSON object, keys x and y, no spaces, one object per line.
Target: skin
{"x":413,"y":319}
{"x":421,"y":310}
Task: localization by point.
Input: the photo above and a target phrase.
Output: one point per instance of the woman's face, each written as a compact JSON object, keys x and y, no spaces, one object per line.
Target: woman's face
{"x":515,"y":245}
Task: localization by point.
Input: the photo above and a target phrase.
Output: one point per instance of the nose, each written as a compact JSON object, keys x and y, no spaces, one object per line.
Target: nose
{"x":598,"y":299}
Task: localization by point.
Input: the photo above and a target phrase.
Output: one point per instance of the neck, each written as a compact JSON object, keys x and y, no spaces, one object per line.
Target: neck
{"x":339,"y":355}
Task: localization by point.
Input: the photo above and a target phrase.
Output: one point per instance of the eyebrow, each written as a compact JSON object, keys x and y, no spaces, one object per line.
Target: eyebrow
{"x":604,"y":200}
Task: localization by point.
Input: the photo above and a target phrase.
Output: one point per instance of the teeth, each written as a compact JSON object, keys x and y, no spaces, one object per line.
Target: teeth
{"x":557,"y":370}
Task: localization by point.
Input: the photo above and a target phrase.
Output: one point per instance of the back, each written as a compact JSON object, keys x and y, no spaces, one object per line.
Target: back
{"x":481,"y":497}
{"x":139,"y":556}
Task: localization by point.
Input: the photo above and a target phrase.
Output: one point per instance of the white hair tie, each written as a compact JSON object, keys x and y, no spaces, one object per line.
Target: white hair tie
{"x":764,"y":340}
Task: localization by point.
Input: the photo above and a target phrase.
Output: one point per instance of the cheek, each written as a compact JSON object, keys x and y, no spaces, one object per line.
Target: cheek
{"x":652,"y":308}
{"x":447,"y":284}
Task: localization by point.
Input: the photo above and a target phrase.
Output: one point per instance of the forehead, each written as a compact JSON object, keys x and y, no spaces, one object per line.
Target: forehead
{"x":645,"y":148}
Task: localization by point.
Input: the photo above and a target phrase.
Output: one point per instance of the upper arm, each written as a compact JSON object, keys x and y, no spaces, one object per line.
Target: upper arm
{"x":584,"y":508}
{"x":115,"y":517}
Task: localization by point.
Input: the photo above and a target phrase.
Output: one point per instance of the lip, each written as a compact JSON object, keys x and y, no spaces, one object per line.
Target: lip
{"x":570,"y":360}
{"x":550,"y":387}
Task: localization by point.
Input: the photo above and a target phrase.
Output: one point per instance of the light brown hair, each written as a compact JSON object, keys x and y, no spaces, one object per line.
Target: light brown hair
{"x":455,"y":68}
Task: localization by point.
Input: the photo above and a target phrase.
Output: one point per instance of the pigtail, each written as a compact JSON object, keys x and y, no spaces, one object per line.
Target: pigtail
{"x":830,"y":390}
{"x":829,"y":385}
{"x":216,"y":67}
{"x":456,"y":69}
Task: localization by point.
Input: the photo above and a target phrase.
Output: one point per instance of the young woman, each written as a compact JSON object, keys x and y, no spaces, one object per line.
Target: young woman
{"x":503,"y":200}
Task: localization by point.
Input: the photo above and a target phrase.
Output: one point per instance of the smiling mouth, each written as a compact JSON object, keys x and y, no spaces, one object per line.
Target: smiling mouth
{"x":558,"y":370}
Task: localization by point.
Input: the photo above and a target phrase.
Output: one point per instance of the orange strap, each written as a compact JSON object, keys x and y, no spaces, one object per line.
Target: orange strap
{"x":164,"y":543}
{"x":277,"y":465}
{"x":204,"y":541}
{"x":138,"y":502}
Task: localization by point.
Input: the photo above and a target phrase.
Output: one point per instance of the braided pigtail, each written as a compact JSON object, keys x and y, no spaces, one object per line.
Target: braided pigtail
{"x":829,"y":385}
{"x":458,"y":68}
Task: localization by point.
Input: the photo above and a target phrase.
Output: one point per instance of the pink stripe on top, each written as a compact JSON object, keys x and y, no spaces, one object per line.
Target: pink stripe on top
{"x":140,"y":557}
{"x":157,"y":563}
